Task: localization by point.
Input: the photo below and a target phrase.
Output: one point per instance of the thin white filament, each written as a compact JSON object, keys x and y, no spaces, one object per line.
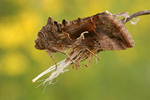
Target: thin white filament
{"x":77,"y":53}
{"x":46,"y":71}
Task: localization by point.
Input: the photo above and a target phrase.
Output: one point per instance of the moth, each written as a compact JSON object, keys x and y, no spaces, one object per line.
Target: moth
{"x":84,"y":38}
{"x":102,"y":31}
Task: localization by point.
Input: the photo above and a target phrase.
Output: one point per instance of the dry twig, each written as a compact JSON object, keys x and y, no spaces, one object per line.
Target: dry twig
{"x":140,"y":13}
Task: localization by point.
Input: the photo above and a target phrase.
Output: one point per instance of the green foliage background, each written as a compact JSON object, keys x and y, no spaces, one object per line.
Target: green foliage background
{"x":119,"y":75}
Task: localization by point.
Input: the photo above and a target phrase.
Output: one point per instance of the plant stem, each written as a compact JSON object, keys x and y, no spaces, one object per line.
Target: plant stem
{"x":140,"y":13}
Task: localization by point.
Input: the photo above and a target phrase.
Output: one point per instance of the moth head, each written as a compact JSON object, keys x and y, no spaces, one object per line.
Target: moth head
{"x":39,"y":43}
{"x":43,"y":42}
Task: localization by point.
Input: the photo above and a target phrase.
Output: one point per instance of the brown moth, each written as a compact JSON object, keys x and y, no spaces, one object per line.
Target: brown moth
{"x":104,"y":32}
{"x":84,"y":38}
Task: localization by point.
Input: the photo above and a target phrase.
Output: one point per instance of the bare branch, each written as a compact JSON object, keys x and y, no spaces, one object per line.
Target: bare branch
{"x":140,"y":13}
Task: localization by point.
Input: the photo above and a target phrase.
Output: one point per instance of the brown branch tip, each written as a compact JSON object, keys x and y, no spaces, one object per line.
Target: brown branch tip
{"x":140,"y":13}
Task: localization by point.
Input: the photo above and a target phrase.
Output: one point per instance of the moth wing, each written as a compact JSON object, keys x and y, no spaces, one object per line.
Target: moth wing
{"x":112,"y":33}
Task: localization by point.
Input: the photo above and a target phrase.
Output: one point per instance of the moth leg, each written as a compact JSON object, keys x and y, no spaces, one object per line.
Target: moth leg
{"x":66,"y":55}
{"x":73,"y":66}
{"x":89,"y":61}
{"x":77,"y":65}
{"x":68,"y":36}
{"x":93,"y":53}
{"x":125,"y":15}
{"x":51,"y":57}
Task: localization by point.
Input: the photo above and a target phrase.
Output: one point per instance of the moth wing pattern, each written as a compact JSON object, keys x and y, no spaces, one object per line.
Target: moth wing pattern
{"x":105,"y":32}
{"x":113,"y":34}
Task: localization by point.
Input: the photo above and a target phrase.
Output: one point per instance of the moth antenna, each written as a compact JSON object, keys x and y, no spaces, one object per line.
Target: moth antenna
{"x":51,"y":57}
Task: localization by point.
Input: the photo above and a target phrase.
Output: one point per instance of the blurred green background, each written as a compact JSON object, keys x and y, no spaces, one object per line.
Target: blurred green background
{"x":119,"y":75}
